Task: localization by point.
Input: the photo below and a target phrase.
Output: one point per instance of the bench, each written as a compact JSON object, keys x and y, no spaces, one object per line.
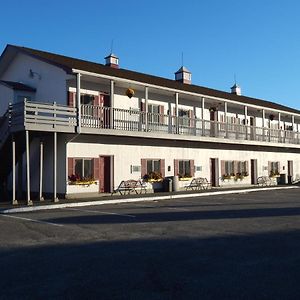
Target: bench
{"x":265,"y":181}
{"x":128,"y":186}
{"x":199,"y":183}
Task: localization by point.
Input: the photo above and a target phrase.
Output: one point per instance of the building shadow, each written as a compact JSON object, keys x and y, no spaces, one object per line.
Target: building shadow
{"x":264,"y":266}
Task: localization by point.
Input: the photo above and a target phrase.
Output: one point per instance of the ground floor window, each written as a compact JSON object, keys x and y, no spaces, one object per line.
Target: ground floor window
{"x":234,"y":168}
{"x":153,"y":168}
{"x":184,"y":168}
{"x":274,"y":168}
{"x":83,"y":168}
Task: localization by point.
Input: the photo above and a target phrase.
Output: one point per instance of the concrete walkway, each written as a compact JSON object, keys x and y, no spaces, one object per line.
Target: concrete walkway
{"x":7,"y":208}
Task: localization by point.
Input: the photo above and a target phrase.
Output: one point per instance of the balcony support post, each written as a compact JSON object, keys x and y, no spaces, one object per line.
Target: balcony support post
{"x":55,"y":199}
{"x":112,"y":104}
{"x":202,"y":115}
{"x":263,"y":124}
{"x":41,"y":170}
{"x":29,"y":201}
{"x":278,"y":127}
{"x":176,"y":112}
{"x":225,"y":119}
{"x":13,"y":142}
{"x":78,"y":102}
{"x":146,"y":108}
{"x":194,"y":122}
{"x":170,"y":117}
{"x":246,"y":126}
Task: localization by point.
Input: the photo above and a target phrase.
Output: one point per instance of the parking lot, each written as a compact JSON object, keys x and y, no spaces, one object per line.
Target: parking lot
{"x":240,"y":246}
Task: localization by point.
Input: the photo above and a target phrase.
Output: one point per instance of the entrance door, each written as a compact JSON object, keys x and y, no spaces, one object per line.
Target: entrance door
{"x":214,"y":171}
{"x":290,"y":171}
{"x":253,"y":171}
{"x":106,"y":174}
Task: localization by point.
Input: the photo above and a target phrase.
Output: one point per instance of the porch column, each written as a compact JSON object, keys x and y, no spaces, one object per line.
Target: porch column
{"x":20,"y":176}
{"x":202,"y":115}
{"x":55,"y":199}
{"x":293,"y":124}
{"x":170,"y":117}
{"x":29,"y":201}
{"x":41,"y":170}
{"x":78,"y":102}
{"x":112,"y":103}
{"x":246,"y":126}
{"x":194,"y":122}
{"x":263,"y":124}
{"x":279,"y":131}
{"x":225,"y":119}
{"x":13,"y":142}
{"x":176,"y":112}
{"x":146,"y":107}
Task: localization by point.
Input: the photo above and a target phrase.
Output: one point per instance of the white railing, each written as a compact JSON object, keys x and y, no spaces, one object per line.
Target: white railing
{"x":51,"y":115}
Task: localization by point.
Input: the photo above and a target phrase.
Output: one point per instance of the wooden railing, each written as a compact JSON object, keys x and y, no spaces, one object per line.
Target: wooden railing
{"x":51,"y":117}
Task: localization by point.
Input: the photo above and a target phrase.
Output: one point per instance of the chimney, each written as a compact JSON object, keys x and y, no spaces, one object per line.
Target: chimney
{"x":183,"y":75}
{"x":112,"y":61}
{"x":236,"y":90}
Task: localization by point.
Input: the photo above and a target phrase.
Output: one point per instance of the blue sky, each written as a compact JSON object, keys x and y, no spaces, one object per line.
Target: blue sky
{"x":258,"y":40}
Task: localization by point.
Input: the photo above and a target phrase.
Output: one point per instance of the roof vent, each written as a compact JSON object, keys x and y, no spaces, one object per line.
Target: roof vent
{"x":183,"y":75}
{"x":112,"y":61}
{"x":236,"y":90}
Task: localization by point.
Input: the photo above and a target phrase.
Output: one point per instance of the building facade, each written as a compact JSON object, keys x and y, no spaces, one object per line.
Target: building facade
{"x":70,"y":126}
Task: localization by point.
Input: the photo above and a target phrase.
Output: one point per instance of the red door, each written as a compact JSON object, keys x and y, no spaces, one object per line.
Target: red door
{"x":105,"y":174}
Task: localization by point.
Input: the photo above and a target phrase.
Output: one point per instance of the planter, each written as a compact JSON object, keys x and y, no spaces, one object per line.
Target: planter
{"x":185,"y":178}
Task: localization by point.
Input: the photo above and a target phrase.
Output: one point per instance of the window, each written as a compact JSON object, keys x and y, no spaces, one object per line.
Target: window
{"x":274,"y":168}
{"x":153,"y":113}
{"x":241,"y":167}
{"x":229,"y":167}
{"x":84,"y":168}
{"x":153,"y":166}
{"x":87,"y":99}
{"x":184,"y":117}
{"x":184,"y":168}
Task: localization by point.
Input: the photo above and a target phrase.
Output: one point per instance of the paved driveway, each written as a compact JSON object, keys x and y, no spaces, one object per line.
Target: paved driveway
{"x":241,"y":246}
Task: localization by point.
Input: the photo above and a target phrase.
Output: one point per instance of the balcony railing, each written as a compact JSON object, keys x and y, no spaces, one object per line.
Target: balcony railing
{"x":51,"y":117}
{"x":134,"y":120}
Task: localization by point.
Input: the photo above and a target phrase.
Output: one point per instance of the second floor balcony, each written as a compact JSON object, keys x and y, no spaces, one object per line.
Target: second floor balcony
{"x":96,"y":119}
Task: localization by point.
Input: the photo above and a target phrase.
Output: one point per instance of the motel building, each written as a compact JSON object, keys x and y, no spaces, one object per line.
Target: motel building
{"x":69,"y":126}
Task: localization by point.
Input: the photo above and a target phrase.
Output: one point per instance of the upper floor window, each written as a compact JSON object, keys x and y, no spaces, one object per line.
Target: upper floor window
{"x":184,"y":117}
{"x":153,"y":113}
{"x":87,"y":99}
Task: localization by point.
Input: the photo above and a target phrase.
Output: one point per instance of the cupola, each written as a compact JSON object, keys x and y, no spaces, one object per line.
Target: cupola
{"x":236,"y":90}
{"x":183,"y":75}
{"x":112,"y":61}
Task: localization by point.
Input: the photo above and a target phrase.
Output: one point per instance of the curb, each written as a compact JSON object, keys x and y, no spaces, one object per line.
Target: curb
{"x":131,"y":200}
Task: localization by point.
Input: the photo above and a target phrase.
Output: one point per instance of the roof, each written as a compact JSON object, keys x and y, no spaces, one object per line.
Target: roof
{"x":183,"y":69}
{"x":69,"y":63}
{"x":18,"y":86}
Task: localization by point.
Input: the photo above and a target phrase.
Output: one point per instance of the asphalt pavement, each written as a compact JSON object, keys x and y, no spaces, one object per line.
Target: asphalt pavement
{"x":236,"y":246}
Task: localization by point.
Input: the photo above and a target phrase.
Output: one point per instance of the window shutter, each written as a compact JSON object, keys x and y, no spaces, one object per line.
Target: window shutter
{"x":71,"y":99}
{"x":101,"y":99}
{"x":161,"y":114}
{"x":96,"y":168}
{"x":192,"y":166}
{"x":247,"y":166}
{"x":162,"y":167}
{"x":176,"y":167}
{"x":278,"y":164}
{"x":269,"y":166}
{"x":71,"y":167}
{"x":96,"y":100}
{"x":222,"y":167}
{"x":143,"y":167}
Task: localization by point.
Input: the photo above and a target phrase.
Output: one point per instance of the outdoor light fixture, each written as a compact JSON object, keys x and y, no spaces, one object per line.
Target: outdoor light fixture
{"x":129,"y":92}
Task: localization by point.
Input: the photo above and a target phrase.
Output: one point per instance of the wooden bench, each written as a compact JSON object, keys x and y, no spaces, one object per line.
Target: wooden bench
{"x":199,"y":183}
{"x":128,"y":186}
{"x":265,"y":181}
